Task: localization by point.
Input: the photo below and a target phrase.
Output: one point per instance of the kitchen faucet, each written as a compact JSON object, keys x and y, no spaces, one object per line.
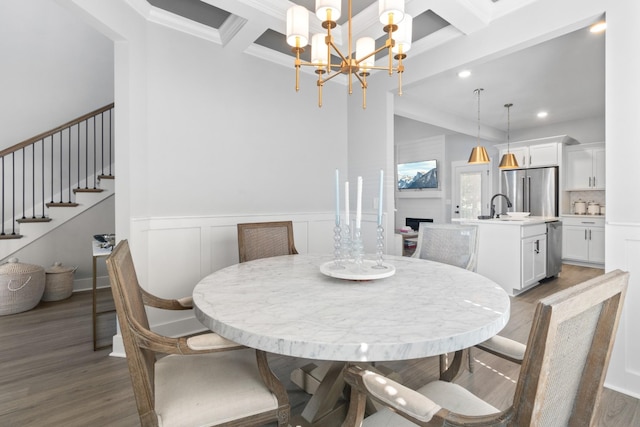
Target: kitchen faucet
{"x":493,"y":207}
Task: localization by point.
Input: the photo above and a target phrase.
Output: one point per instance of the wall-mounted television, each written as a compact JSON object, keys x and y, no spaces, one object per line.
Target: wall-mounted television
{"x":418,"y":175}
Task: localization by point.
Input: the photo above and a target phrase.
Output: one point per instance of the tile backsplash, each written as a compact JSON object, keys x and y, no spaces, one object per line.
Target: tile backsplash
{"x":597,"y":196}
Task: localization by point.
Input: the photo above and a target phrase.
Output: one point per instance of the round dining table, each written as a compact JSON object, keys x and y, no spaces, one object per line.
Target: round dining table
{"x":286,"y":305}
{"x":294,"y":305}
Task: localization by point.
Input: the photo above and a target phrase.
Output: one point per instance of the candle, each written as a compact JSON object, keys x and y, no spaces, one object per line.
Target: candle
{"x":337,"y":198}
{"x":346,"y":203}
{"x":359,"y":203}
{"x":380,"y":198}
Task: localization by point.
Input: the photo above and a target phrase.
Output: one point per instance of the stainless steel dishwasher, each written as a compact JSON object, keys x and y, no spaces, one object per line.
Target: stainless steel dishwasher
{"x":554,"y":248}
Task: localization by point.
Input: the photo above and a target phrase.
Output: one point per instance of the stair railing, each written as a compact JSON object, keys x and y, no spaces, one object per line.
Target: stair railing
{"x":48,"y":169}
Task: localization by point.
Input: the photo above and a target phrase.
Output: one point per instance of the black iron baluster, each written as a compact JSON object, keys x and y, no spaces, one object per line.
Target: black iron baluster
{"x":13,"y":194}
{"x":24,"y":181}
{"x":61,"y":181}
{"x":33,"y":179}
{"x":86,"y":154}
{"x":94,"y":153}
{"x":51,"y":168}
{"x":102,"y":145}
{"x":43,"y":183}
{"x":78,"y":183}
{"x":69,"y":165}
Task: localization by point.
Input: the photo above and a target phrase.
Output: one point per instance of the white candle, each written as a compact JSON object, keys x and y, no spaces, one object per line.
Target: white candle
{"x":337,"y":198}
{"x":359,"y":203}
{"x":346,"y":203}
{"x":380,"y":198}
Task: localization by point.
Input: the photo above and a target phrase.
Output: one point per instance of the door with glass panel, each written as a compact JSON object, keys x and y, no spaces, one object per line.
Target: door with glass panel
{"x":470,"y":193}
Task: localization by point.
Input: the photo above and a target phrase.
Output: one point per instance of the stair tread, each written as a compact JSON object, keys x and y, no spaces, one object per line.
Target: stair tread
{"x":24,"y":220}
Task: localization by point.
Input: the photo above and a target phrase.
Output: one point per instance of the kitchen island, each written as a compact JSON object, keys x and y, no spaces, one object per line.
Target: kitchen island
{"x":512,"y":252}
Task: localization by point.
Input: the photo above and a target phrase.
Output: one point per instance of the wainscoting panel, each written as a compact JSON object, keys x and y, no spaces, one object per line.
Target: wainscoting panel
{"x":623,"y":252}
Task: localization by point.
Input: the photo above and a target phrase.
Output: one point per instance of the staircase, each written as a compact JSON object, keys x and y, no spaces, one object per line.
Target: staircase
{"x":53,"y":177}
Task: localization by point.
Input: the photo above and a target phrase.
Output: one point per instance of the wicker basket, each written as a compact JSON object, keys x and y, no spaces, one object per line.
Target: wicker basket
{"x":21,"y":286}
{"x":58,"y":282}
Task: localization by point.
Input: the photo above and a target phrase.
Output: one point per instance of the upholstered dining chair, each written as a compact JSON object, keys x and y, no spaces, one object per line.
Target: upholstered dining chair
{"x":452,"y":244}
{"x":200,"y":380}
{"x":560,"y":381}
{"x":265,"y":239}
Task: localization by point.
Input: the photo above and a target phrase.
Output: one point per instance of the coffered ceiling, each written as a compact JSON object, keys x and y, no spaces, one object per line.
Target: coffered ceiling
{"x":563,"y":76}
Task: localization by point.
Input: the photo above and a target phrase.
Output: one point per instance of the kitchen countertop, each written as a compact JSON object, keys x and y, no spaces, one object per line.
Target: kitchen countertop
{"x":530,"y":220}
{"x":583,"y":216}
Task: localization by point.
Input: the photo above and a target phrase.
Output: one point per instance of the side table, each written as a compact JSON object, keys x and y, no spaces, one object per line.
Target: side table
{"x":98,"y":251}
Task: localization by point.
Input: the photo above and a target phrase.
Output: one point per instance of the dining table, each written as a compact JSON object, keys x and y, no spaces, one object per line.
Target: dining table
{"x":314,"y":307}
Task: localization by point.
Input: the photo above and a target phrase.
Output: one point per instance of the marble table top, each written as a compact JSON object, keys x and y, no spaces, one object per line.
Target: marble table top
{"x":285,"y":305}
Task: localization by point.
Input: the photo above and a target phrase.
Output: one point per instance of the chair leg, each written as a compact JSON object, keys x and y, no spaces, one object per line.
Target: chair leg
{"x":471,"y":367}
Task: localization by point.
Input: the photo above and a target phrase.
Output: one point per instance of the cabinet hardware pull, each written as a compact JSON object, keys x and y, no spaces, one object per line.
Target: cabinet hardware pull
{"x":537,"y":246}
{"x":589,"y":234}
{"x":588,"y":222}
{"x":594,"y":181}
{"x":585,"y":234}
{"x":589,"y":182}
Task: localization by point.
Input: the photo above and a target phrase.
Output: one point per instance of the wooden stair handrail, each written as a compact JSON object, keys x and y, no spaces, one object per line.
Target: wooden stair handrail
{"x":46,"y":134}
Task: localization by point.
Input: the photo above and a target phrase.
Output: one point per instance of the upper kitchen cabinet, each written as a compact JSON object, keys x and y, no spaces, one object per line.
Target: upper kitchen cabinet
{"x":538,"y":152}
{"x":585,"y":167}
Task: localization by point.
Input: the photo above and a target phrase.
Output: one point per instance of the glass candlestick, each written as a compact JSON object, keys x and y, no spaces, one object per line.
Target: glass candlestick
{"x":357,"y":248}
{"x":337,"y":247}
{"x":379,"y":247}
{"x":345,"y":244}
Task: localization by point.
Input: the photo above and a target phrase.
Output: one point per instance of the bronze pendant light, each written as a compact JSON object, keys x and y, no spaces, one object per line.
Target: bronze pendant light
{"x":479,"y":153}
{"x":508,"y":160}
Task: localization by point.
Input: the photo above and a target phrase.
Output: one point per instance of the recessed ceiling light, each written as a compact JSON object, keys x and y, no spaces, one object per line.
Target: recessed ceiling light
{"x":542,"y":114}
{"x":598,"y":27}
{"x":464,"y":74}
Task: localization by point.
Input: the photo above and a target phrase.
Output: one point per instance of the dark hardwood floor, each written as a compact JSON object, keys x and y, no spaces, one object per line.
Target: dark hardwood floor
{"x":50,"y":375}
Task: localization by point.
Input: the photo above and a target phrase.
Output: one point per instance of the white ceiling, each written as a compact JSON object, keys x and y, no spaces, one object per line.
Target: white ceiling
{"x":563,"y":76}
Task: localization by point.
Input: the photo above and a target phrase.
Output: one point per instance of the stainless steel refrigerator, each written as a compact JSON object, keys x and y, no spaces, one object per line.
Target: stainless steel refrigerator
{"x":531,"y":190}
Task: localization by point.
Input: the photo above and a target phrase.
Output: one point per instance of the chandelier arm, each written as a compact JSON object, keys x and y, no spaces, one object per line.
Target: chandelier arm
{"x":330,"y":76}
{"x":378,"y":50}
{"x":338,"y":52}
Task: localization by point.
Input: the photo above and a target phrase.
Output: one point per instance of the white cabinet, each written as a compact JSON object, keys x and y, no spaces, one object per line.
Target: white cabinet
{"x":534,"y":259}
{"x":533,"y":156}
{"x":583,"y":239}
{"x":514,"y":255}
{"x":585,"y":167}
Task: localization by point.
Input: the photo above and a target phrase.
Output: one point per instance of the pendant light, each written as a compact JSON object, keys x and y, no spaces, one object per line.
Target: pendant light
{"x":479,"y":153}
{"x":508,"y":160}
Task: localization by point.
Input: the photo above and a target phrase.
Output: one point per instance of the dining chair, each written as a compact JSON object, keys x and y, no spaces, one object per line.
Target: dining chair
{"x":560,"y":381}
{"x":198,"y":380}
{"x":452,"y":244}
{"x":265,"y":239}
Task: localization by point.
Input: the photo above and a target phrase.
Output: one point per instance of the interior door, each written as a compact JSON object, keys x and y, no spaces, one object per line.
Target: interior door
{"x":471,"y":189}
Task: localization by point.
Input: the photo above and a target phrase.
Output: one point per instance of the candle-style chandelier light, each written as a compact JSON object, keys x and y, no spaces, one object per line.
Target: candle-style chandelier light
{"x":397,"y":24}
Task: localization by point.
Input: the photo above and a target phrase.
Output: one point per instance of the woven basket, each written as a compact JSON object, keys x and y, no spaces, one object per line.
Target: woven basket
{"x":21,"y":286}
{"x":58,"y":282}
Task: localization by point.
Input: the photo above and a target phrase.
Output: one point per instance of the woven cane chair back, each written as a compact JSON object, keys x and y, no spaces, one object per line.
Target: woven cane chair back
{"x":265,"y":239}
{"x":451,"y":244}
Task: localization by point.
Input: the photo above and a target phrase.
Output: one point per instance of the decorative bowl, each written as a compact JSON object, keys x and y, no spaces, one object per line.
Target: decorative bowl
{"x":518,"y":214}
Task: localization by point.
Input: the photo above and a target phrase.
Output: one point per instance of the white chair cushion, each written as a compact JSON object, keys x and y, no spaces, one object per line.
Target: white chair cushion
{"x":208,"y":389}
{"x":209,"y":342}
{"x":447,"y":395}
{"x":506,"y":346}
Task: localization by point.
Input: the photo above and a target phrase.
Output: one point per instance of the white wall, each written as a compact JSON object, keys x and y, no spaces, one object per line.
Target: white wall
{"x":55,"y":68}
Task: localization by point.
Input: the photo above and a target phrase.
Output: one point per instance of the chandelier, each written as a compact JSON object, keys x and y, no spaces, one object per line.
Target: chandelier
{"x":397,"y":24}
